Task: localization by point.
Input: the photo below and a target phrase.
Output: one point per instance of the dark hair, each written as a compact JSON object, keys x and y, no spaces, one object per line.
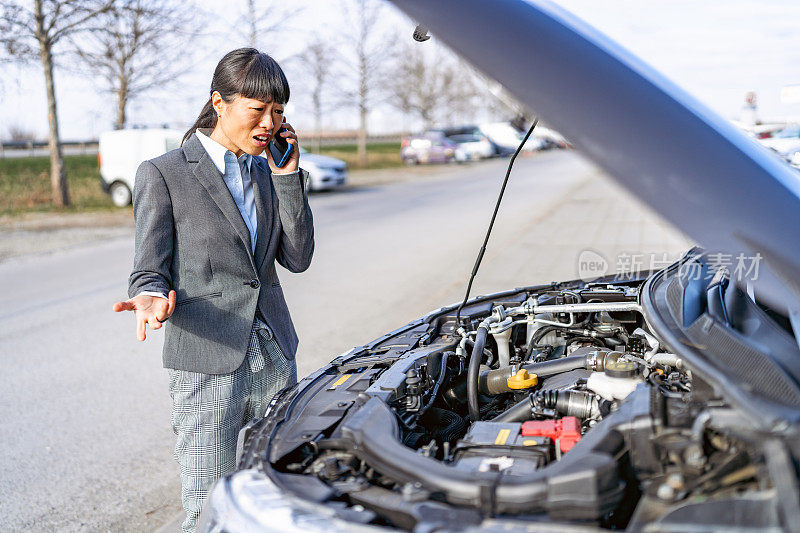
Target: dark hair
{"x":245,"y":72}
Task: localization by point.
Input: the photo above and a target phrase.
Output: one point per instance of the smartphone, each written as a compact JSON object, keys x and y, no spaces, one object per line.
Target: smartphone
{"x":280,"y":148}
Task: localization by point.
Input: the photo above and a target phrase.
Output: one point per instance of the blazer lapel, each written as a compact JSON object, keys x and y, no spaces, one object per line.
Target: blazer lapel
{"x":262,"y":193}
{"x":208,"y":175}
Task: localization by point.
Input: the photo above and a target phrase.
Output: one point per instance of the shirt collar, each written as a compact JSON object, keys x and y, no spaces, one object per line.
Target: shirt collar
{"x":217,"y":152}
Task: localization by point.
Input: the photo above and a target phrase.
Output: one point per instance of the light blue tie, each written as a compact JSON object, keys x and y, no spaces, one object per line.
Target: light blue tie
{"x":242,"y":195}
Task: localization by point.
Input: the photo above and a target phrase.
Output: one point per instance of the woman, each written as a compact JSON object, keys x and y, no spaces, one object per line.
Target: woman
{"x":212,"y":217}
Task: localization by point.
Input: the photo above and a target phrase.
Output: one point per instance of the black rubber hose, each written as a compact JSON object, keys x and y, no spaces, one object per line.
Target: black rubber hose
{"x":516,"y":413}
{"x":556,"y":366}
{"x":537,"y":337}
{"x":495,"y":381}
{"x":439,"y":380}
{"x":486,"y":353}
{"x":474,"y":373}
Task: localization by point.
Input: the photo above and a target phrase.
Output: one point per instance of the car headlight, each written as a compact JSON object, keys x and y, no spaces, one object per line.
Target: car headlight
{"x":248,"y":501}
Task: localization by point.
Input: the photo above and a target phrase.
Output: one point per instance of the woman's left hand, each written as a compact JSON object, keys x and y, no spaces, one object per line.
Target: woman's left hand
{"x":287,"y":132}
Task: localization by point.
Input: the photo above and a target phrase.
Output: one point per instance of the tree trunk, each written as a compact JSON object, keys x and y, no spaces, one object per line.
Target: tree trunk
{"x":58,"y":176}
{"x":317,"y":122}
{"x":122,"y":103}
{"x":362,"y":138}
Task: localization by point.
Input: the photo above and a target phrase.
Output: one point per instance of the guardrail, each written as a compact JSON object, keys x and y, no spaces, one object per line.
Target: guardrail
{"x":10,"y":149}
{"x":41,"y":148}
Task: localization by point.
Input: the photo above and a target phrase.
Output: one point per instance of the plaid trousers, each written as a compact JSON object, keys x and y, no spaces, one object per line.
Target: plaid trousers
{"x":209,"y":410}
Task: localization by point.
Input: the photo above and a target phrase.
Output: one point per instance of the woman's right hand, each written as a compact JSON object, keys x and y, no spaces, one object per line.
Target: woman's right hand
{"x":149,"y":310}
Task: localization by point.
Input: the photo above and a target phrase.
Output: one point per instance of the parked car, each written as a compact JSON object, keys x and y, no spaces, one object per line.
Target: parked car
{"x":794,"y":160}
{"x":648,"y":401}
{"x":472,"y":129}
{"x":470,"y":146}
{"x":551,"y":138}
{"x":431,"y":147}
{"x":507,"y":137}
{"x":120,"y":153}
{"x":786,"y":142}
{"x":324,"y":172}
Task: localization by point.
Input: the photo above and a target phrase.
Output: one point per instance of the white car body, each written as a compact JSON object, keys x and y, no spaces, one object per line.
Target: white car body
{"x":786,"y":142}
{"x":550,"y":135}
{"x":122,"y":151}
{"x":507,"y":136}
{"x":472,"y":147}
{"x":324,"y":172}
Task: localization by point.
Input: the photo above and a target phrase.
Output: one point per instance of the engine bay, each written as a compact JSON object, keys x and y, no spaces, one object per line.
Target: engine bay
{"x":554,"y":402}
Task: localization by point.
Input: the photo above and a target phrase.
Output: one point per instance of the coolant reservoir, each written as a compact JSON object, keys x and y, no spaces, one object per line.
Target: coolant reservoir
{"x":617,"y":381}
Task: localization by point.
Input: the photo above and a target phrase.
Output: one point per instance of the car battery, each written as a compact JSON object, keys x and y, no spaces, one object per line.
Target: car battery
{"x":564,"y":431}
{"x":500,"y":446}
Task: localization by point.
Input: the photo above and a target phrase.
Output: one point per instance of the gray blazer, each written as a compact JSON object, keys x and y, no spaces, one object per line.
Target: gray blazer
{"x":190,"y":237}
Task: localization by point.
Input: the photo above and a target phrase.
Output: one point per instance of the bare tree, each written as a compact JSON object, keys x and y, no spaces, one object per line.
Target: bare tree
{"x":23,"y":33}
{"x":426,"y":83}
{"x":317,"y":59}
{"x":138,"y":45}
{"x":369,"y":52}
{"x":266,"y":17}
{"x":464,"y":94}
{"x":20,"y":133}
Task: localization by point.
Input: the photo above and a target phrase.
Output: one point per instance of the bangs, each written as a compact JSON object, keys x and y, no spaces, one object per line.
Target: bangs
{"x":264,"y":80}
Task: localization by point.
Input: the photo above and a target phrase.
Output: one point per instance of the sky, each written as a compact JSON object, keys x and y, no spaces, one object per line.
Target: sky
{"x":716,"y":50}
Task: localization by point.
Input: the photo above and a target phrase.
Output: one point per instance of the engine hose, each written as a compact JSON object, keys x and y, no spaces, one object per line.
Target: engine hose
{"x":473,"y":373}
{"x":439,"y":380}
{"x":536,"y":338}
{"x":518,"y":412}
{"x":486,"y":352}
{"x":575,"y":403}
{"x":579,"y":404}
{"x":495,"y":381}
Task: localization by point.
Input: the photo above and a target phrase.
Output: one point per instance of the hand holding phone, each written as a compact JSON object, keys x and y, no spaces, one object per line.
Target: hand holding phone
{"x":280,"y":148}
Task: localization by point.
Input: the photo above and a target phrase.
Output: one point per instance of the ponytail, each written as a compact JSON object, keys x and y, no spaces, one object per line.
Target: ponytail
{"x":243,"y":72}
{"x":207,"y":119}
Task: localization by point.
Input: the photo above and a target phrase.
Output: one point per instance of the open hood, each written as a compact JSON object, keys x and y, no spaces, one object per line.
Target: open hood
{"x":690,"y":165}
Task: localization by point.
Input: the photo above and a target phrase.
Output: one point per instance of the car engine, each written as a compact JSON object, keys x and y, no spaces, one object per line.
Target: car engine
{"x":553,"y":401}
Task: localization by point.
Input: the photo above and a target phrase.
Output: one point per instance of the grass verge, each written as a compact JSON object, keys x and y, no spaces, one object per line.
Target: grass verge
{"x":379,"y":155}
{"x":25,"y":181}
{"x":25,"y":184}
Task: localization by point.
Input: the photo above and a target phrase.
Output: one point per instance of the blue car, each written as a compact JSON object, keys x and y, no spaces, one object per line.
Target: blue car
{"x":666,"y":401}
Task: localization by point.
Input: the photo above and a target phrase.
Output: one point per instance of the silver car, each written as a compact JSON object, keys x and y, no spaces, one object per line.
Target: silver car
{"x":324,"y":172}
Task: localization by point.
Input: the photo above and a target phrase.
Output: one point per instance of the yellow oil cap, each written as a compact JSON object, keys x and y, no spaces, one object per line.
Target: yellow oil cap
{"x":522,"y":380}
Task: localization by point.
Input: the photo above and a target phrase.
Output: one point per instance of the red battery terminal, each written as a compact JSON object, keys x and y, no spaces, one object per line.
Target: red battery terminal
{"x":565,"y":431}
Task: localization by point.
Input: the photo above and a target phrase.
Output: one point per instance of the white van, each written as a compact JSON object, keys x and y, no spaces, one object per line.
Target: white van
{"x":122,"y":151}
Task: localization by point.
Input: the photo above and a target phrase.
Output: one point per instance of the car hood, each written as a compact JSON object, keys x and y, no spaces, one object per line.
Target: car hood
{"x":686,"y":162}
{"x":321,"y":160}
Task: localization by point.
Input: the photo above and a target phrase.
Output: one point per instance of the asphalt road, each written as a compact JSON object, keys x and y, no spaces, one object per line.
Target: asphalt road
{"x":85,"y":438}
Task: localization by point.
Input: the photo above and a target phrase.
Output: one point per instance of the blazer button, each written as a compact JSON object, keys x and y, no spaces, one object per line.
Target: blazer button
{"x":255,"y":283}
